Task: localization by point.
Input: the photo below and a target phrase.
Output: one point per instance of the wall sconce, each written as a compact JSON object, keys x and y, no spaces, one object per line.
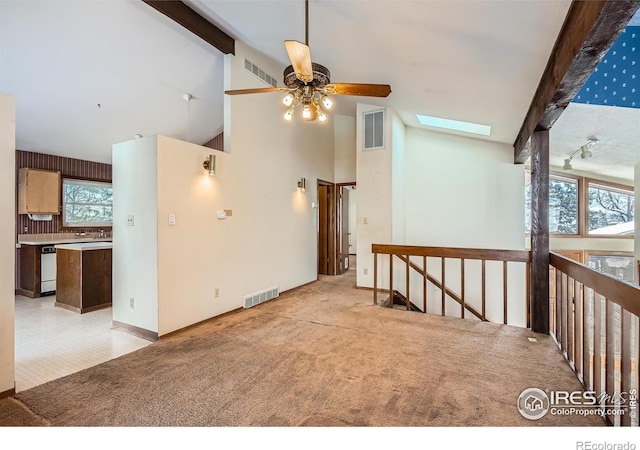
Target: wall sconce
{"x":209,"y":164}
{"x":302,"y":184}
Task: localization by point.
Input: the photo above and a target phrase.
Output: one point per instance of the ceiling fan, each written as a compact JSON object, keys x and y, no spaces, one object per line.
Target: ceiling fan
{"x":308,"y":83}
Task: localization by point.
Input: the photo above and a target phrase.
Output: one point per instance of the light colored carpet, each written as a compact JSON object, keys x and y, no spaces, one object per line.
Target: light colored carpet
{"x":320,"y":355}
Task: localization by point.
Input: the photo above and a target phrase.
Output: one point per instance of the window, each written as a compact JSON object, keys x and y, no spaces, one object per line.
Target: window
{"x":563,"y":204}
{"x":584,"y":207}
{"x":611,"y":210}
{"x":619,"y":265}
{"x":86,"y":203}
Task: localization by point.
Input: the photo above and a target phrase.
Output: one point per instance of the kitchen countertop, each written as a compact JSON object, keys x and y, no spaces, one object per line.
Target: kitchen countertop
{"x":76,"y":240}
{"x":82,"y":246}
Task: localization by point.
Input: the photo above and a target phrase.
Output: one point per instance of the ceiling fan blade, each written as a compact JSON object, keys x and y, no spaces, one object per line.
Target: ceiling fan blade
{"x":300,"y":57}
{"x":254,"y":91}
{"x":364,"y":89}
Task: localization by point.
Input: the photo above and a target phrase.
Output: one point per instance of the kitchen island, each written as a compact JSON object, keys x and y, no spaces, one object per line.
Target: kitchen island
{"x":83,"y":279}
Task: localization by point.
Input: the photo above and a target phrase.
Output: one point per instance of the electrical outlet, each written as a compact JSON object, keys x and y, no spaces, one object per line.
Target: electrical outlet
{"x":216,"y":293}
{"x":131,"y":302}
{"x":366,"y":271}
{"x":130,"y":221}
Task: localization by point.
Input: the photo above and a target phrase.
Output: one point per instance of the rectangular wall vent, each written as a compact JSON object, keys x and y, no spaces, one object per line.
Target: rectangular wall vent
{"x":257,"y":71}
{"x":260,"y":297}
{"x":373,"y":130}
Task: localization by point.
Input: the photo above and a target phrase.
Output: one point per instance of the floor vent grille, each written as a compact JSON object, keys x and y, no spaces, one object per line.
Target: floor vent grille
{"x":260,"y":297}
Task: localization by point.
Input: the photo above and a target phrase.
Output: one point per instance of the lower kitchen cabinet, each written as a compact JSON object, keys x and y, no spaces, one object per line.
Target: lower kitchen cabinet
{"x":83,"y":280}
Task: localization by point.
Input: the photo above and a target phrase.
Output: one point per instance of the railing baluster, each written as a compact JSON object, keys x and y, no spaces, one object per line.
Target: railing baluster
{"x":578,"y":327}
{"x":390,"y":281}
{"x":597,"y":345}
{"x":626,"y":349}
{"x":571,"y":284}
{"x":407,"y":284}
{"x":375,"y":278}
{"x":424,"y":285}
{"x":563,"y":308}
{"x":504,"y":291}
{"x":462,"y":287}
{"x":588,"y":345}
{"x":444,"y":287}
{"x":484,"y":290}
{"x":610,"y":362}
{"x":527,"y":294}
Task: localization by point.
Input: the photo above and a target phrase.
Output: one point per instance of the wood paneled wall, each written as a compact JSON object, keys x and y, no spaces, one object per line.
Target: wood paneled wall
{"x":68,"y":167}
{"x":215,"y":142}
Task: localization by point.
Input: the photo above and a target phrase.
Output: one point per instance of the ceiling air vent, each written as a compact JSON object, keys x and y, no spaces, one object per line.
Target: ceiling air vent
{"x":373,"y":130}
{"x":257,"y":71}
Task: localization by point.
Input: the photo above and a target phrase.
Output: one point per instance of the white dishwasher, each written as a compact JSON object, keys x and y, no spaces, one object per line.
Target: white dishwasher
{"x":48,"y":270}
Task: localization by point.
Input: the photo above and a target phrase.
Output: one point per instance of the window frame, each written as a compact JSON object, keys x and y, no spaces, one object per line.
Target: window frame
{"x":583,"y":205}
{"x":580,"y":208}
{"x":84,"y":225}
{"x":605,"y":184}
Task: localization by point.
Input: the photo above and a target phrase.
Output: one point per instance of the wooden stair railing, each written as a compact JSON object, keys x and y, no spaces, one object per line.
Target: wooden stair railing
{"x":594,"y":319}
{"x":405,"y":252}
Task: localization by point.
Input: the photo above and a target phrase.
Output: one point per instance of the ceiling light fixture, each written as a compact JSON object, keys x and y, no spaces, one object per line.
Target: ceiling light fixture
{"x":312,"y":96}
{"x":584,"y":151}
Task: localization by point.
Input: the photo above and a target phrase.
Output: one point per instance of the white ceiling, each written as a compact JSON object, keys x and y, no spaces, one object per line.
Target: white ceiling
{"x":477,"y":61}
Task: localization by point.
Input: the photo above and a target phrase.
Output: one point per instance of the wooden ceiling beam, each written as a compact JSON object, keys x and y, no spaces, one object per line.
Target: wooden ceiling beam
{"x":181,"y":13}
{"x":589,"y":30}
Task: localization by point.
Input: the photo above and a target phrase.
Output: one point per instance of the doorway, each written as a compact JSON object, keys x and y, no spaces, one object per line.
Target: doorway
{"x":335,"y":242}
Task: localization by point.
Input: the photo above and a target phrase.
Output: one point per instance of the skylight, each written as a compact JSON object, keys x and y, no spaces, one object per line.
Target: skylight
{"x":455,"y":125}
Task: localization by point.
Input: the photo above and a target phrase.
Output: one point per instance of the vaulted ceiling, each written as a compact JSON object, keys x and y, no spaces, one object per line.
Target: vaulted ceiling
{"x":87,"y":74}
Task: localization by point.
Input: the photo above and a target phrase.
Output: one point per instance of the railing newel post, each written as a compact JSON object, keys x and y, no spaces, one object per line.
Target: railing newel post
{"x":375,"y":278}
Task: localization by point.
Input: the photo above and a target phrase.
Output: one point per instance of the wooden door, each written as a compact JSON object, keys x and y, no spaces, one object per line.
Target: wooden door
{"x":326,"y":229}
{"x":343,"y":230}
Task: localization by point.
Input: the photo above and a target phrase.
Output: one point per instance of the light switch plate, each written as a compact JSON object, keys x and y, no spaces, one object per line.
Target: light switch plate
{"x":222,"y":215}
{"x":172,"y":219}
{"x":130,"y":221}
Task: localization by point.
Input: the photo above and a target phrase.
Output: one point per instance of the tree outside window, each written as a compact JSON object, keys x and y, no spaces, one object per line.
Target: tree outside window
{"x":86,"y":203}
{"x":611,"y":210}
{"x":563,"y":205}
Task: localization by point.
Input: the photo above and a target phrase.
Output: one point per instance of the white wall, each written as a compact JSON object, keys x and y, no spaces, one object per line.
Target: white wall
{"x":374,"y":204}
{"x":345,"y":148}
{"x":268,"y":241}
{"x":276,"y":221}
{"x":398,"y":151}
{"x":199,"y":253}
{"x":7,"y":240}
{"x":135,"y":248}
{"x":463,"y":192}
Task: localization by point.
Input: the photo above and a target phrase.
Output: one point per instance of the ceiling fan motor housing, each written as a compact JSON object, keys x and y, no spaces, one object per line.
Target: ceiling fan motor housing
{"x":321,"y":77}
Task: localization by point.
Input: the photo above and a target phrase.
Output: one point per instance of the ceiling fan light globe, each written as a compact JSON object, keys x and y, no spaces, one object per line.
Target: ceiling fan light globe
{"x":288,"y":99}
{"x":327,"y":102}
{"x":288,"y":115}
{"x":306,"y":112}
{"x":322,"y":117}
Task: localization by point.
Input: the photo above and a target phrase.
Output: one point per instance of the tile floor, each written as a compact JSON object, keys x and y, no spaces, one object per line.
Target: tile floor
{"x":51,"y":342}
